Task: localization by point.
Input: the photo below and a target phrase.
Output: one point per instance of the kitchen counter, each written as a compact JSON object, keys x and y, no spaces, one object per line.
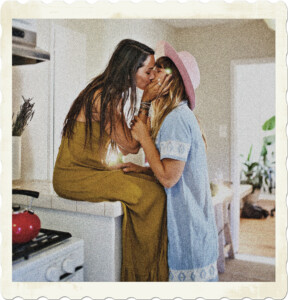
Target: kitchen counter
{"x":225,"y":193}
{"x":245,"y":189}
{"x":99,"y":225}
{"x":49,"y":199}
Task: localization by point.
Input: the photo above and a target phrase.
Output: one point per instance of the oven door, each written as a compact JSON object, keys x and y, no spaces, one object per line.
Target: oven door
{"x":61,"y":262}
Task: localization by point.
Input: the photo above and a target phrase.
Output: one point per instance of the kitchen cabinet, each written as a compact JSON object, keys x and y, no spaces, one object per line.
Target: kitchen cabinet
{"x":99,"y":225}
{"x":69,"y":77}
{"x":53,"y":85}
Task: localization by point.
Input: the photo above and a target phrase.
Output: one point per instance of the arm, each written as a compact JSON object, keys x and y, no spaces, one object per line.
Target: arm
{"x":121,"y":133}
{"x":130,"y":167}
{"x":168,"y":171}
{"x":152,"y":92}
{"x":123,"y":138}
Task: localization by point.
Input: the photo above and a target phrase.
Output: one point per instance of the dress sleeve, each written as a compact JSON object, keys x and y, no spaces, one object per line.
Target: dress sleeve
{"x":174,"y":138}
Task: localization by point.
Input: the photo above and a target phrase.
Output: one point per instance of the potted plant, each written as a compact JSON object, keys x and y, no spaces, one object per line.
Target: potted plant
{"x":259,"y":173}
{"x":24,"y":116}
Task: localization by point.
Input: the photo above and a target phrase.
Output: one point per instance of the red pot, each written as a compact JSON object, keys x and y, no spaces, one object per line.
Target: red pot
{"x":25,"y":226}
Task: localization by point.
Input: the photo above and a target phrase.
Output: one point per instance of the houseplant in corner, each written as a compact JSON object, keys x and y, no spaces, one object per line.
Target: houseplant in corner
{"x":24,"y":116}
{"x":258,"y":173}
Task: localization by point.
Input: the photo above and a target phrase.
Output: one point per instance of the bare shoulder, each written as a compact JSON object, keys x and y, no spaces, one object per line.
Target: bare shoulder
{"x":95,"y":109}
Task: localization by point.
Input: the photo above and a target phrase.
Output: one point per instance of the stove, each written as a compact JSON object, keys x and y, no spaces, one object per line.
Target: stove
{"x":51,"y":256}
{"x":44,"y":239}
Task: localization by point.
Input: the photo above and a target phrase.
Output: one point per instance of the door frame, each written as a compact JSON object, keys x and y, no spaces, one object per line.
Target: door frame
{"x":235,"y":162}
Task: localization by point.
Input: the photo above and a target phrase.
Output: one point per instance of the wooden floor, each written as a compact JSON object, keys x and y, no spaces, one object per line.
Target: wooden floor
{"x":239,"y":270}
{"x":257,"y":237}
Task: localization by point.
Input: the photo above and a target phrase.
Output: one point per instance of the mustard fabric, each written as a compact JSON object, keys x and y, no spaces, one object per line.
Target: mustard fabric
{"x":79,"y":174}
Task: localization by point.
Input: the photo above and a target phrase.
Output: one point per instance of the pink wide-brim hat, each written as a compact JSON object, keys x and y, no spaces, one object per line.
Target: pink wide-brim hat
{"x":187,"y":66}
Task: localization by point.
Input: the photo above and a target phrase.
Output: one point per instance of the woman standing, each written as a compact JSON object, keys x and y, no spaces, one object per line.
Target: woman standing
{"x":179,"y":163}
{"x":96,"y":119}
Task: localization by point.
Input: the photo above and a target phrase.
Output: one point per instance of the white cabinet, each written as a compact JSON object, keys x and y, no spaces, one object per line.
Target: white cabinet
{"x":69,"y":76}
{"x":53,"y":85}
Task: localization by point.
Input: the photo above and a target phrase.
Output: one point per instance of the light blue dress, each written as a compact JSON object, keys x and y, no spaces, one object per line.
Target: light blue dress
{"x":192,"y":233}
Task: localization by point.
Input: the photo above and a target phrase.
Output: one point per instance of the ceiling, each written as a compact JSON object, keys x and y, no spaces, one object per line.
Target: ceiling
{"x":188,"y":23}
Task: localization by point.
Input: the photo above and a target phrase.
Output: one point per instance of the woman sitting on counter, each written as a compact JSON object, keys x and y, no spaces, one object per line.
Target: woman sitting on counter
{"x":96,"y":119}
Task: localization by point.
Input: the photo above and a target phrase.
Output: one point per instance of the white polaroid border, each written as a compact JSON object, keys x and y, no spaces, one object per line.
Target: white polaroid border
{"x":130,"y":10}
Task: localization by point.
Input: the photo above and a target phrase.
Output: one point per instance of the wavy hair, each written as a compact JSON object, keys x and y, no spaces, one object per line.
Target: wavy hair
{"x":165,"y":104}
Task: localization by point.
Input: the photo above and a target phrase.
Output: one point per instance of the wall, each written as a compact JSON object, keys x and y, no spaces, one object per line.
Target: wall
{"x":255,"y":105}
{"x":104,"y":35}
{"x":215,"y":47}
{"x":69,"y":73}
{"x":33,"y":81}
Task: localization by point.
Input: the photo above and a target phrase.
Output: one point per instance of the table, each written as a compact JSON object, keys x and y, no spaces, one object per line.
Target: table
{"x":221,"y":202}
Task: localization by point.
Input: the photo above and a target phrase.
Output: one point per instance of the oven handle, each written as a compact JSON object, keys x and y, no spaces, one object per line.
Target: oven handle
{"x":65,"y":275}
{"x":30,"y":193}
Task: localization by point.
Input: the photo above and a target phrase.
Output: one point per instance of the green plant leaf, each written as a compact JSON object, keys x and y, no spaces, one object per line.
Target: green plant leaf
{"x":269,"y":140}
{"x":264,"y":151}
{"x":252,"y":165}
{"x":249,"y":154}
{"x":269,"y":124}
{"x":257,"y":173}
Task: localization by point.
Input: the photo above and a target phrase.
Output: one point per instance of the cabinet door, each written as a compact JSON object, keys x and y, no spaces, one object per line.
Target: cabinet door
{"x":69,"y":76}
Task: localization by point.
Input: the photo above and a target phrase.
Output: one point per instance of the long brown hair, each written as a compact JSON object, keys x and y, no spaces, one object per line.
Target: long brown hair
{"x":114,"y":86}
{"x":165,"y":104}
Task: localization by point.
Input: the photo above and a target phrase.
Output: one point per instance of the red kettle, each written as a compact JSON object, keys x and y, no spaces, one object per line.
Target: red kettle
{"x":25,"y":224}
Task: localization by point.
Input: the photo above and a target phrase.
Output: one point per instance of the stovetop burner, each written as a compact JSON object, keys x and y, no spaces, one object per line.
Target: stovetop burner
{"x":44,"y":239}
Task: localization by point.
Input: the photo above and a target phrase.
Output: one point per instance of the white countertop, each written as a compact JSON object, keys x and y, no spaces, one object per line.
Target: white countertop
{"x":225,"y":193}
{"x":49,"y":199}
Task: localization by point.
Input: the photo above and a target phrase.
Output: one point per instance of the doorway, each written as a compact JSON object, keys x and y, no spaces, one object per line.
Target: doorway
{"x":253,"y":102}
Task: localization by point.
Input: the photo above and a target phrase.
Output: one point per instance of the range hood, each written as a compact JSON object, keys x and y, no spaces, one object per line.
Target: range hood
{"x":24,"y":49}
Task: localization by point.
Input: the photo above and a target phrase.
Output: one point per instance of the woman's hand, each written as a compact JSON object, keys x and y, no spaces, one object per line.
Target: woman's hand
{"x":157,"y":88}
{"x":130,"y":167}
{"x":139,"y":130}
